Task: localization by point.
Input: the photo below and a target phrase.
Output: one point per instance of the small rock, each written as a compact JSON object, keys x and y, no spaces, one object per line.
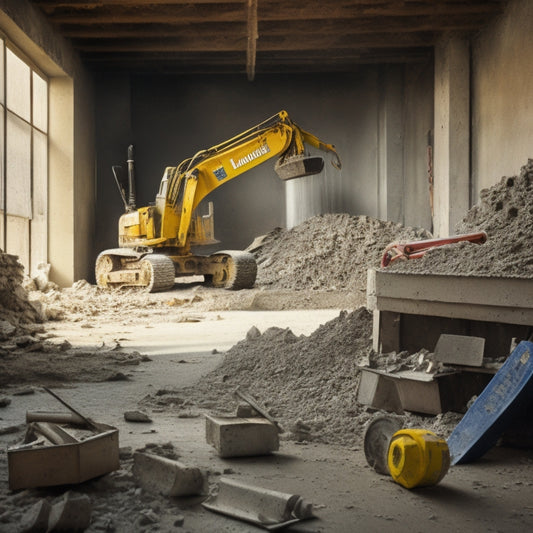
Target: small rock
{"x":6,"y":329}
{"x":117,"y":376}
{"x":245,"y":410}
{"x":148,"y":517}
{"x":25,"y":341}
{"x":24,"y":392}
{"x":4,"y":401}
{"x":180,"y":520}
{"x":136,"y":416}
{"x":253,"y":333}
{"x":65,"y":345}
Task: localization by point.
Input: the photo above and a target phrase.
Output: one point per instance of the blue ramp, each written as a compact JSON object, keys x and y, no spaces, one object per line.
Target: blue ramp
{"x":507,"y":394}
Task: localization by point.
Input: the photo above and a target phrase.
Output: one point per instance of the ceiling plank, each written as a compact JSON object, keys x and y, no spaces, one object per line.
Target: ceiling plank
{"x":297,"y":28}
{"x":231,"y":42}
{"x":194,"y":12}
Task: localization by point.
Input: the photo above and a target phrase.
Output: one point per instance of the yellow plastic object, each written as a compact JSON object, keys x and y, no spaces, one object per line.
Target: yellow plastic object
{"x":418,"y":458}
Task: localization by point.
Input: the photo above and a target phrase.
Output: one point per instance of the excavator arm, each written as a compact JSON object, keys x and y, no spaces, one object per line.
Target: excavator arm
{"x":190,"y":182}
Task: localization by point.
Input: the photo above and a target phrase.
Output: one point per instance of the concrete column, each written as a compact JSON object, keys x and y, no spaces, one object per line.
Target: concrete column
{"x":61,"y":216}
{"x":390,"y":146}
{"x":452,"y":134}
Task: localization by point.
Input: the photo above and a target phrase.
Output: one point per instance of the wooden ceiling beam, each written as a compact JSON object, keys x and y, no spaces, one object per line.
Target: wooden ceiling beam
{"x":297,"y":28}
{"x":230,"y":42}
{"x":92,"y":4}
{"x":195,"y":12}
{"x":189,"y":13}
{"x":289,"y":64}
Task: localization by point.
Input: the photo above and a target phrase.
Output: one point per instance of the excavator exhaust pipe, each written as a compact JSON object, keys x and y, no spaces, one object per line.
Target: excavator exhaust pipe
{"x":298,"y":166}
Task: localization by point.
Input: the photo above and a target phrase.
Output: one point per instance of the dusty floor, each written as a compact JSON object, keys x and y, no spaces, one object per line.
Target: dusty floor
{"x":295,"y":342}
{"x":173,"y":341}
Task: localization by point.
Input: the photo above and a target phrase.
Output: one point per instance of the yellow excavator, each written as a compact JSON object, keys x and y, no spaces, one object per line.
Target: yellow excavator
{"x":155,"y":241}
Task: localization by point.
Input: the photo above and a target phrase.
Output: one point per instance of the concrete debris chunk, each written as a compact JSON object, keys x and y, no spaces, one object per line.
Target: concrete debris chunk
{"x":6,"y":330}
{"x":36,"y":518}
{"x":253,"y":333}
{"x":164,"y":476}
{"x":72,"y":513}
{"x":240,"y":437}
{"x":137,"y":416}
{"x":245,"y":410}
{"x":264,"y":507}
{"x":4,"y":401}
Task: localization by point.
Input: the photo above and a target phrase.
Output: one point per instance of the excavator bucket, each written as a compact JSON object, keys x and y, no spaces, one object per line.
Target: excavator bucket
{"x":297,"y":166}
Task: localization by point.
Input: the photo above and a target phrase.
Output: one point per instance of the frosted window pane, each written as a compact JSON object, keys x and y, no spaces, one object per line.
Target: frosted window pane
{"x":39,"y":223}
{"x":2,"y":71}
{"x":40,"y":102}
{"x":40,"y":173}
{"x":18,"y":86}
{"x":18,"y":162}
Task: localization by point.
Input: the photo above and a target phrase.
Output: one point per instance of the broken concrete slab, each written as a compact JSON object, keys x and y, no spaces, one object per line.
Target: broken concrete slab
{"x":264,"y":507}
{"x":167,"y":477}
{"x":460,"y":350}
{"x":72,"y":513}
{"x":240,"y":437}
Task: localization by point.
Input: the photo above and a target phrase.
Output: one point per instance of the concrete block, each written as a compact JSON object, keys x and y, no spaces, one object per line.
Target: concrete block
{"x":167,"y":477}
{"x":36,"y":518}
{"x":72,"y":513}
{"x":239,"y":437}
{"x":460,"y":350}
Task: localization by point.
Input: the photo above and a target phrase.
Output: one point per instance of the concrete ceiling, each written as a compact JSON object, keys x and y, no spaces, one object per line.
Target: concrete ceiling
{"x":260,"y":36}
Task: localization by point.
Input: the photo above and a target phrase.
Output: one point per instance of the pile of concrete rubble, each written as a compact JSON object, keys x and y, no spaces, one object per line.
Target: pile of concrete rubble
{"x":505,"y":213}
{"x":309,"y":383}
{"x":15,"y":308}
{"x":331,"y":251}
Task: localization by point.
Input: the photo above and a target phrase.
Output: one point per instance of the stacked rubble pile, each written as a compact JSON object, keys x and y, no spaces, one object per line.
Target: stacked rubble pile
{"x":308,"y":383}
{"x":505,"y":213}
{"x":331,"y":251}
{"x":15,"y":307}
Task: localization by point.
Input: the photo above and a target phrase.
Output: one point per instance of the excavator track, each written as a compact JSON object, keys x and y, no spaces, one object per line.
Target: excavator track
{"x":153,"y":272}
{"x":159,"y":272}
{"x":232,"y":269}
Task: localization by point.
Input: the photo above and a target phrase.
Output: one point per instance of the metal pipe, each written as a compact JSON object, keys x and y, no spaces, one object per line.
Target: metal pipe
{"x":131,"y":179}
